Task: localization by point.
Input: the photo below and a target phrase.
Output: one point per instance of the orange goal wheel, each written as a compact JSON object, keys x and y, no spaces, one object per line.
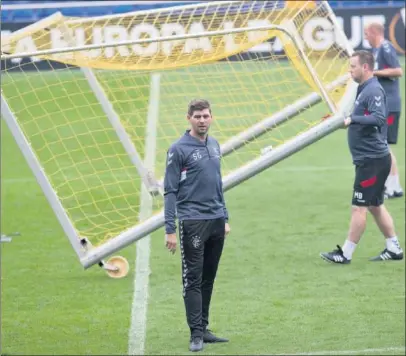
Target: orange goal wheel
{"x":117,"y":267}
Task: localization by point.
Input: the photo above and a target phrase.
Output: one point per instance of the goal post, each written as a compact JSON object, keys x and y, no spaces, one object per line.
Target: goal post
{"x":41,"y":177}
{"x":97,"y":122}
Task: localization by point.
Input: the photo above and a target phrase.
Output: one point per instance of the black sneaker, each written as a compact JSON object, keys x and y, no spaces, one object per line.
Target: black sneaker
{"x":210,"y":338}
{"x":196,"y":344}
{"x":335,"y":256}
{"x":387,"y":255}
{"x":394,"y":195}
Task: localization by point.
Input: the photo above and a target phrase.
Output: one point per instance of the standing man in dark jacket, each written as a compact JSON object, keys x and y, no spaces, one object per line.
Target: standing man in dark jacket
{"x":372,"y":160}
{"x":388,"y":71}
{"x":194,"y":192}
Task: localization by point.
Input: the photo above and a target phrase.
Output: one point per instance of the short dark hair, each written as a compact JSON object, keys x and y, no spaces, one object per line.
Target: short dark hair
{"x":365,"y":57}
{"x":198,"y":105}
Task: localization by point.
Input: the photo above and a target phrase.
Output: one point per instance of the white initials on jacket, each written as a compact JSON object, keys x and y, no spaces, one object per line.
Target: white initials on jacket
{"x":196,"y":155}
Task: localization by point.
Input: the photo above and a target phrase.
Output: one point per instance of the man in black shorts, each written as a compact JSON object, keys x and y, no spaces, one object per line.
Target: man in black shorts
{"x":388,"y":70}
{"x":194,"y":192}
{"x":372,"y":160}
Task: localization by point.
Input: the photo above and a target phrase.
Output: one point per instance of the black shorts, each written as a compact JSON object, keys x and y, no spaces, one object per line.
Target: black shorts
{"x":393,"y":127}
{"x":370,"y":178}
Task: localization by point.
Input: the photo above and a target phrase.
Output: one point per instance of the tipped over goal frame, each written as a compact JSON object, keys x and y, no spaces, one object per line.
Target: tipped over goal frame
{"x":94,"y":127}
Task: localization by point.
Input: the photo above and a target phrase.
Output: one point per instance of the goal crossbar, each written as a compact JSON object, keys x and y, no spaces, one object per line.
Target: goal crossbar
{"x":47,"y":52}
{"x":287,"y":30}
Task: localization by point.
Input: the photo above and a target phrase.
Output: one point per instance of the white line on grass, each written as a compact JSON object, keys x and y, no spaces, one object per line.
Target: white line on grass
{"x":137,"y":333}
{"x":352,"y":352}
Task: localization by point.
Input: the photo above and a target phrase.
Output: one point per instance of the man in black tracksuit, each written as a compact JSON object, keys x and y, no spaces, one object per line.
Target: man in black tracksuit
{"x":367,"y":132}
{"x":193,"y":192}
{"x":388,"y":72}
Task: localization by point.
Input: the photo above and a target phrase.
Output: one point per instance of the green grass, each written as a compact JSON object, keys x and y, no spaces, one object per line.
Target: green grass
{"x":273,"y":293}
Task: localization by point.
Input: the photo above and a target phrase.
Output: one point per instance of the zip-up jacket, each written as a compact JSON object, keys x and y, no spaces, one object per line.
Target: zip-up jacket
{"x":193,"y":188}
{"x":368,"y":129}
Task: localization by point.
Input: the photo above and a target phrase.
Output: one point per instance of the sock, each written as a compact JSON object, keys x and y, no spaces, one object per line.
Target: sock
{"x":348,"y":249}
{"x":389,"y":184}
{"x":392,"y":244}
{"x":396,"y":183}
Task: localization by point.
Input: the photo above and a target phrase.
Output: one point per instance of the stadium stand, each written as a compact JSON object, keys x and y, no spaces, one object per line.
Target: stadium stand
{"x":31,"y":11}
